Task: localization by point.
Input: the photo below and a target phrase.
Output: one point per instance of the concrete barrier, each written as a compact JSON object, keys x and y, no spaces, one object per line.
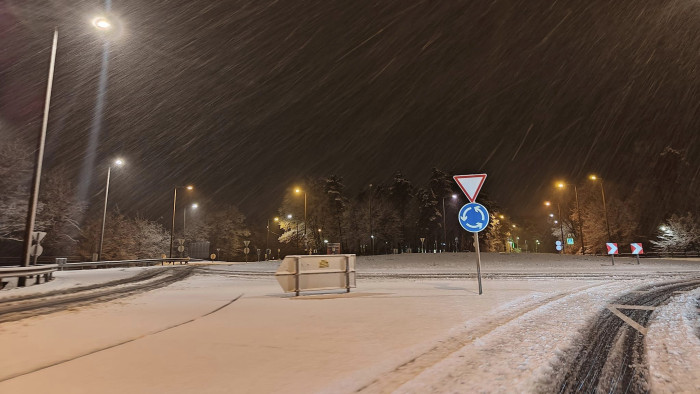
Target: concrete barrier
{"x":316,"y":272}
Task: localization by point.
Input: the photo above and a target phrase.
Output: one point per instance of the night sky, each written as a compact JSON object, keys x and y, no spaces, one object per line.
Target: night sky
{"x":245,"y":98}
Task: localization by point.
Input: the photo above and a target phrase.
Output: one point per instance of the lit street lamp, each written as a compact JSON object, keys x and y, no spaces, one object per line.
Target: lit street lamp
{"x":371,"y":233}
{"x":561,"y":185}
{"x":605,"y":209}
{"x":306,"y":242}
{"x":172,"y":228}
{"x":444,"y":228}
{"x":267,"y":239}
{"x":39,"y":158}
{"x":117,"y":163}
{"x":184,"y":217}
{"x":561,"y":226}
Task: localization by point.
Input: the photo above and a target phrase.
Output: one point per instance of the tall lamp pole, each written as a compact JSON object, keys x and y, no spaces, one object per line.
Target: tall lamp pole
{"x":371,"y":234}
{"x":172,"y":228}
{"x":267,"y":239}
{"x":561,"y":185}
{"x":118,"y":163}
{"x":306,"y":241}
{"x":605,"y":209}
{"x":184,"y":218}
{"x":36,"y":180}
{"x":444,"y":227}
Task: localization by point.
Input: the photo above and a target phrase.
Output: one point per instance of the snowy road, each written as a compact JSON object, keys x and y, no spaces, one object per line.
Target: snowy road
{"x":426,"y":330}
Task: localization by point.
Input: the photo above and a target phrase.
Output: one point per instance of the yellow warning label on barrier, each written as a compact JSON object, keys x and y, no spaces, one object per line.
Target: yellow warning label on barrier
{"x":323,"y":264}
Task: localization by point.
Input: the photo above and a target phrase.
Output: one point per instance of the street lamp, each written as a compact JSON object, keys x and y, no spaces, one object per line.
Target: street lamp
{"x":306,"y":242}
{"x":102,"y":23}
{"x":36,"y":177}
{"x":184,"y":217}
{"x":267,"y":239}
{"x":371,"y":233}
{"x":605,"y":209}
{"x":561,"y":226}
{"x":561,"y":185}
{"x":444,"y":228}
{"x":117,"y":163}
{"x":172,"y":228}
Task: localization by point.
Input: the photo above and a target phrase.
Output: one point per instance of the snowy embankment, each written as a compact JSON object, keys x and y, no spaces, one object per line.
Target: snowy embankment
{"x":673,"y":345}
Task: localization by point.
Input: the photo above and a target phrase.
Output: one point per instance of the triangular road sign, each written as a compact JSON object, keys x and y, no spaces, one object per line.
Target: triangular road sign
{"x":470,"y":184}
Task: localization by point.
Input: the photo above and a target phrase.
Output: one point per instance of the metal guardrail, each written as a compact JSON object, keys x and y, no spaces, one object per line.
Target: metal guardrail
{"x":22,"y":273}
{"x":121,"y":263}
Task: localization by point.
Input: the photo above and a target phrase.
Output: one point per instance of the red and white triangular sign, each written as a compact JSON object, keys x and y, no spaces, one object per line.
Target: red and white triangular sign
{"x":470,"y":184}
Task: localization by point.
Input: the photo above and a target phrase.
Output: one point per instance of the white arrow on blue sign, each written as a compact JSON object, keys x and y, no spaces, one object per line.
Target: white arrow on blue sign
{"x":473,"y":217}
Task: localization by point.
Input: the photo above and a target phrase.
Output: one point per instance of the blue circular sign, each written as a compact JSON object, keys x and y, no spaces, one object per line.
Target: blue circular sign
{"x":473,"y":217}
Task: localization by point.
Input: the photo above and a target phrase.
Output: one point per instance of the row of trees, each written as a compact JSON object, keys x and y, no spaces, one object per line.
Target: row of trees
{"x":379,"y":219}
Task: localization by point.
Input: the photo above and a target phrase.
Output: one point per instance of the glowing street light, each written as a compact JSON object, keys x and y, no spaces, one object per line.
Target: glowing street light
{"x":184,"y":217}
{"x":306,"y":242}
{"x":102,"y":23}
{"x":172,"y":228}
{"x":561,"y":186}
{"x":605,"y":209}
{"x":267,"y":239}
{"x":117,"y":163}
{"x":444,"y":226}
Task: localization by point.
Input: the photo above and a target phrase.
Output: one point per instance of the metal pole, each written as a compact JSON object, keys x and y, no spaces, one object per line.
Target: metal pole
{"x":267,"y":238}
{"x":371,"y":234}
{"x":478,"y":260}
{"x":605,"y":210}
{"x":306,"y":224}
{"x":184,"y":214}
{"x":580,"y":222}
{"x":31,"y":209}
{"x":104,"y":215}
{"x":444,"y":228}
{"x":561,"y":228}
{"x":172,"y":228}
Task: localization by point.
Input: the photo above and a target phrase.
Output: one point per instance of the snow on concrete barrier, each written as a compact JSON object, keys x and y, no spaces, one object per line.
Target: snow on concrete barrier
{"x":316,"y":272}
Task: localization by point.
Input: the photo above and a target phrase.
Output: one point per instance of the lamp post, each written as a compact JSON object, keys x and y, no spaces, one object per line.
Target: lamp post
{"x":306,"y":242}
{"x":267,"y":239}
{"x":184,"y":218}
{"x":605,"y":209}
{"x":371,"y":233}
{"x":444,"y":227}
{"x":561,"y":185}
{"x":36,"y":177}
{"x":117,"y":163}
{"x":561,"y":226}
{"x":172,"y":228}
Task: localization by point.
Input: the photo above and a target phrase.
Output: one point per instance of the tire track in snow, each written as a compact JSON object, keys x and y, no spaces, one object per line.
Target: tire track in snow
{"x":612,"y":356}
{"x":412,"y":368}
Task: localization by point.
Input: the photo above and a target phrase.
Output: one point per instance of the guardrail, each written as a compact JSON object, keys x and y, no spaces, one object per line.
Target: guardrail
{"x":23,"y":273}
{"x":121,"y":263}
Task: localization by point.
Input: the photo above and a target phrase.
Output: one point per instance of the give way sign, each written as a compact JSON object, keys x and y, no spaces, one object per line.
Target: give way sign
{"x":612,"y":248}
{"x":470,"y":184}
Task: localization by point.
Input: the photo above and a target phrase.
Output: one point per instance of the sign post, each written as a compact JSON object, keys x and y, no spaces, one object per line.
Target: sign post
{"x":612,"y":250}
{"x":422,"y":247}
{"x":473,"y":216}
{"x":637,"y":250}
{"x":246,"y":250}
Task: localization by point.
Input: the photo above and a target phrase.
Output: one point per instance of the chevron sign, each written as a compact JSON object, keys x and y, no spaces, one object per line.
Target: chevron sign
{"x":637,"y":248}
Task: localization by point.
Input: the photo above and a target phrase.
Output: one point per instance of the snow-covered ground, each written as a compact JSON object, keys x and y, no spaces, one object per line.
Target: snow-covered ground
{"x":388,"y":335}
